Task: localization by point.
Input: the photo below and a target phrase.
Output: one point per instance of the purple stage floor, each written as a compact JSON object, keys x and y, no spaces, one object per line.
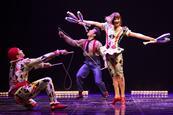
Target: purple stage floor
{"x":94,"y":104}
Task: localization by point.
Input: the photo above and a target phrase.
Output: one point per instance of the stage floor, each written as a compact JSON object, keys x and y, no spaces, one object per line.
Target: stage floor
{"x":94,"y":104}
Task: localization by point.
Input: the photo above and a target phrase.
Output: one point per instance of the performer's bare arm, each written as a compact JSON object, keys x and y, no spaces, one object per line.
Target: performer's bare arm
{"x":45,"y":58}
{"x":94,"y":23}
{"x":140,"y":36}
{"x":43,"y":65}
{"x":70,"y":41}
{"x":132,"y":34}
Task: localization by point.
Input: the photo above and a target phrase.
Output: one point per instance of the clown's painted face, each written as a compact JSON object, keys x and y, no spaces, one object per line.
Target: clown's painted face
{"x":20,"y":54}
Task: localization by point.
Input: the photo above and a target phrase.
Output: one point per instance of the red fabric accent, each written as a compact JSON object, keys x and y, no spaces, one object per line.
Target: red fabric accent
{"x":85,"y":43}
{"x":94,"y":46}
{"x":118,"y":35}
{"x":106,"y":38}
{"x":12,"y":53}
{"x":113,"y":47}
{"x":58,"y":106}
{"x":116,"y":100}
{"x":17,"y":86}
{"x":20,"y":84}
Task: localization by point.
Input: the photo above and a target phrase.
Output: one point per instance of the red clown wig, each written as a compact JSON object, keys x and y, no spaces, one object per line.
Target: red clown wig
{"x":12,"y":53}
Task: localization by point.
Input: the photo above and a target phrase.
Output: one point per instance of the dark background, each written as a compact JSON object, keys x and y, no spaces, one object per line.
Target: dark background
{"x":32,"y":26}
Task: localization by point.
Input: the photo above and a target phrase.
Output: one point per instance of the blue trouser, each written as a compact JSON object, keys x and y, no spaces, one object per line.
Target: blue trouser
{"x":84,"y":71}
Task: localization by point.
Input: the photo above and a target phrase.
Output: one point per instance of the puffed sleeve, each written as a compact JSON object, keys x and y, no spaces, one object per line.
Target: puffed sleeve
{"x":126,"y":30}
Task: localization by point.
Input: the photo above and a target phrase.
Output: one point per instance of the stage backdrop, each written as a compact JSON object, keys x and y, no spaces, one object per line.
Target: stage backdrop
{"x":32,"y":26}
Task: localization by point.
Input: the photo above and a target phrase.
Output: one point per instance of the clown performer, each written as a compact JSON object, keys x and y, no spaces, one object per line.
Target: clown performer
{"x":24,"y":91}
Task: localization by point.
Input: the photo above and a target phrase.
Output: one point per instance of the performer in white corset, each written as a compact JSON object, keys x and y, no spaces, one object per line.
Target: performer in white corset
{"x":114,"y":33}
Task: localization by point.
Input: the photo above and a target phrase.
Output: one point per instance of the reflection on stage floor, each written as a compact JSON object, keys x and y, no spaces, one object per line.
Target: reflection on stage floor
{"x":93,"y":104}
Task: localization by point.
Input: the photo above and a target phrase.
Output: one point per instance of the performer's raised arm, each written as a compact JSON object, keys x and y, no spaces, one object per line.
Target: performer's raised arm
{"x":45,"y":57}
{"x":71,"y":41}
{"x":94,"y":23}
{"x":141,"y":36}
{"x":43,"y":65}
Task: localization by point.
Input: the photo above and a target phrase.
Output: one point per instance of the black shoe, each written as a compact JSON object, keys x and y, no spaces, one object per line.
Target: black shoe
{"x":79,"y":97}
{"x":105,"y":94}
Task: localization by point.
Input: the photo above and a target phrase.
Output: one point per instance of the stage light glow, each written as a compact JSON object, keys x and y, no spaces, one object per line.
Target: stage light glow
{"x":69,"y":94}
{"x":3,"y":94}
{"x":59,"y":94}
{"x":149,"y":93}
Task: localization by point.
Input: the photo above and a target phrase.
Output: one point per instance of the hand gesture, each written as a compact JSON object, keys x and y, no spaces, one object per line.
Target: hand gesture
{"x":61,"y":34}
{"x":80,"y":22}
{"x":77,"y":19}
{"x":63,"y":52}
{"x":161,"y":39}
{"x":46,"y":65}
